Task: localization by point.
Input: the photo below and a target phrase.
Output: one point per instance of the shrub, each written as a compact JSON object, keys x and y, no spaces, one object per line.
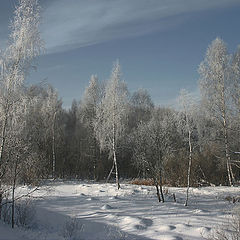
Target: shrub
{"x":72,"y":229}
{"x":139,"y":181}
{"x":230,"y":231}
{"x":25,"y":212}
{"x":6,"y":211}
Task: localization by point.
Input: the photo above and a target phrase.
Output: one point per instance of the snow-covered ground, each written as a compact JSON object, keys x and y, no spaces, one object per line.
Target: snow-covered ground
{"x":133,"y":212}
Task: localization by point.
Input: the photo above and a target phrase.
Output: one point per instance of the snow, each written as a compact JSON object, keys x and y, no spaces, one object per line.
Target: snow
{"x":132,"y":212}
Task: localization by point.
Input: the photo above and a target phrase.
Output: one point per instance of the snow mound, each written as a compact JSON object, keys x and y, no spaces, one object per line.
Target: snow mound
{"x":170,"y":237}
{"x":92,"y":199}
{"x":203,"y":230}
{"x":135,"y":223}
{"x":166,"y":228}
{"x":183,"y":226}
{"x":106,"y":207}
{"x":114,"y":198}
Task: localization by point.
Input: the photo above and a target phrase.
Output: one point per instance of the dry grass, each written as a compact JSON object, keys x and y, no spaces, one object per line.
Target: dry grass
{"x":140,"y":181}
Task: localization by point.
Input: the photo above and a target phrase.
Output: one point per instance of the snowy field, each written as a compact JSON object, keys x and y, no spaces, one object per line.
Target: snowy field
{"x":102,"y":212}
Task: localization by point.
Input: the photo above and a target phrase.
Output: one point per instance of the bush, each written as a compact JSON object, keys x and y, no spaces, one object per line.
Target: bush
{"x":72,"y":229}
{"x":230,"y":231}
{"x":6,"y":211}
{"x":139,"y":181}
{"x":25,"y":213}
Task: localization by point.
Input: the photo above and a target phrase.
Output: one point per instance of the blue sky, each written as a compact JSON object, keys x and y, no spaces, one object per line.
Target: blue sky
{"x":159,"y":43}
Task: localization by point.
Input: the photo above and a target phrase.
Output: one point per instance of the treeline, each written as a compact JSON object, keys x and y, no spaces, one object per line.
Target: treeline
{"x":111,"y":133}
{"x":110,"y":129}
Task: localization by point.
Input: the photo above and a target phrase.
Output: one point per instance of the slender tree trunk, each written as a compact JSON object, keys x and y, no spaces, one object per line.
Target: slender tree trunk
{"x":95,"y":160}
{"x":53,"y":147}
{"x":13,"y":193}
{"x":1,"y":198}
{"x":160,"y":183}
{"x":228,"y":158}
{"x":158,"y":194}
{"x":115,"y":156}
{"x":231,"y":171}
{"x":13,"y":205}
{"x":189,"y":166}
{"x":110,"y":173}
{"x":227,"y":155}
{"x":3,"y":137}
{"x":116,"y":167}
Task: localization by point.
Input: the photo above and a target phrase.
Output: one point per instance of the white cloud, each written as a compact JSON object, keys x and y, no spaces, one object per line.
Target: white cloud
{"x":75,"y":23}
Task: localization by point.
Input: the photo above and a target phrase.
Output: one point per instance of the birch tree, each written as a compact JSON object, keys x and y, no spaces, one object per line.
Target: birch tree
{"x":214,"y":86}
{"x":51,"y":107}
{"x":186,"y":126}
{"x":235,"y":94}
{"x":111,"y":117}
{"x":91,"y":99}
{"x":24,"y":45}
{"x":17,"y":148}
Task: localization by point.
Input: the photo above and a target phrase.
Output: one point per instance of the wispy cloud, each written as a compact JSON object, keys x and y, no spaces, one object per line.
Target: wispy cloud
{"x":68,"y":24}
{"x":75,"y":23}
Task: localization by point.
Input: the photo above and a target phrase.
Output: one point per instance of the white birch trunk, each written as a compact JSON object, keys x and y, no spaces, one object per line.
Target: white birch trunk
{"x":53,"y":147}
{"x":189,"y":166}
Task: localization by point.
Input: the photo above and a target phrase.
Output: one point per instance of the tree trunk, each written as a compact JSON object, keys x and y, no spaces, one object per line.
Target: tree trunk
{"x":13,"y":193}
{"x":227,"y":155}
{"x":115,"y":157}
{"x":160,"y":181}
{"x":116,"y":168}
{"x":231,"y":171}
{"x":228,"y":158}
{"x":53,"y":147}
{"x":1,"y":198}
{"x":3,"y":139}
{"x":189,"y":166}
{"x":1,"y":156}
{"x":13,"y":206}
{"x":95,"y":161}
{"x":158,"y":194}
{"x":110,"y":173}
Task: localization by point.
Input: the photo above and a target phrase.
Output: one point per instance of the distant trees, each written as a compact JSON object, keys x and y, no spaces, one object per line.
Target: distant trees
{"x":141,"y":107}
